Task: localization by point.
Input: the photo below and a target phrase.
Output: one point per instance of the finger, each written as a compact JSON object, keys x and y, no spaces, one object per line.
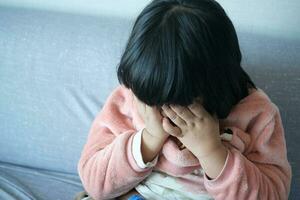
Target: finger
{"x":163,"y":113}
{"x":183,"y":112}
{"x":176,"y":119}
{"x":170,"y":129}
{"x":197,"y":109}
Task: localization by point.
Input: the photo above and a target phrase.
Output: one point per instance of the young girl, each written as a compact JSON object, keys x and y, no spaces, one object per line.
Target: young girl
{"x":186,"y":122}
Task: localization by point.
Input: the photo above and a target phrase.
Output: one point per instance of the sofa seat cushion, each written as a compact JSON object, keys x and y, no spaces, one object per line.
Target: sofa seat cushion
{"x":18,"y":182}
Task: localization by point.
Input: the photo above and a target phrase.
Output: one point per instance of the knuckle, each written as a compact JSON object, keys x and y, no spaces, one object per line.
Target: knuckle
{"x":181,"y":123}
{"x":192,"y":124}
{"x":179,"y":131}
{"x":165,"y":107}
{"x":174,"y":117}
{"x":189,"y":117}
{"x":201,"y":119}
{"x":193,"y":106}
{"x":180,"y":111}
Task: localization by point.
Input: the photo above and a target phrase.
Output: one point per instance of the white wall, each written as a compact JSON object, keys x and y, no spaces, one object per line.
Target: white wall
{"x":124,"y":8}
{"x":278,"y":18}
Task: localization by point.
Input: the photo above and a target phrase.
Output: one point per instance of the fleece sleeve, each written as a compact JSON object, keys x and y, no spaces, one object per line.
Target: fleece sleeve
{"x":256,"y":166}
{"x":106,"y":167}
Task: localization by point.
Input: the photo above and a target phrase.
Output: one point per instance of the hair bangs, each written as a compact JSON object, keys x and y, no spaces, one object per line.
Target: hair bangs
{"x":158,"y":70}
{"x":179,"y":51}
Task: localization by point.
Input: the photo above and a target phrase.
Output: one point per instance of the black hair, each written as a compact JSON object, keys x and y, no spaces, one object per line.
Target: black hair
{"x":181,"y":50}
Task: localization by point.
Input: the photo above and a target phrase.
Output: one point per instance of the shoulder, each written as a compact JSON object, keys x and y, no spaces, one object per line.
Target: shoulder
{"x":119,"y":100}
{"x":257,"y":101}
{"x":255,"y":110}
{"x":120,"y":93}
{"x":120,"y":96}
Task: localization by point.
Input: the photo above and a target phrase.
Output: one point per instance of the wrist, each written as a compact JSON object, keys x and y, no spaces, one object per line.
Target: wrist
{"x":154,"y":138}
{"x":150,"y":146}
{"x":213,"y":163}
{"x":208,"y":149}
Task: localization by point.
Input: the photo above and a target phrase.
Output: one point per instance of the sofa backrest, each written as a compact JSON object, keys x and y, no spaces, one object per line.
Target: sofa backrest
{"x":56,"y":71}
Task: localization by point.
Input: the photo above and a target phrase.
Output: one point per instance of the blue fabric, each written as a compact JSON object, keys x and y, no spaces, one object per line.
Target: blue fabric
{"x":27,"y":183}
{"x":136,"y":197}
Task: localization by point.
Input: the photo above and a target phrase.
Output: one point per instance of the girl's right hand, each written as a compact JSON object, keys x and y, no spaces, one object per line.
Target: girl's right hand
{"x":152,"y":118}
{"x":156,"y":132}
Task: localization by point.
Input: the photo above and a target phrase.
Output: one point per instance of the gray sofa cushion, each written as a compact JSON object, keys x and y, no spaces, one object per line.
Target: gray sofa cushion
{"x":25,"y":183}
{"x":56,"y":71}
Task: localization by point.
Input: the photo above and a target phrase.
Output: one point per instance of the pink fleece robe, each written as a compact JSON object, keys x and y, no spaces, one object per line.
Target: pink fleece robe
{"x":256,"y":166}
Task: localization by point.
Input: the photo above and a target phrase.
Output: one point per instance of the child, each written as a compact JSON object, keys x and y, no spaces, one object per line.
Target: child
{"x":187,"y":122}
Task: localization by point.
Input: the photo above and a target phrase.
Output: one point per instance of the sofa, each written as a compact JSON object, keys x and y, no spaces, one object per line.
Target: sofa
{"x":57,"y":69}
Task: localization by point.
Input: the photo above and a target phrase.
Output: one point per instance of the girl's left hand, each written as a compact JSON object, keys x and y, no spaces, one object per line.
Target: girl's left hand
{"x":199,"y":130}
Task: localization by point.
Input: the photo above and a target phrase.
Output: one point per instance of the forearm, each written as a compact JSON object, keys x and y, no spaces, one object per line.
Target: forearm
{"x":213,"y":162}
{"x":96,"y":171}
{"x":242,"y":178}
{"x":150,"y":146}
